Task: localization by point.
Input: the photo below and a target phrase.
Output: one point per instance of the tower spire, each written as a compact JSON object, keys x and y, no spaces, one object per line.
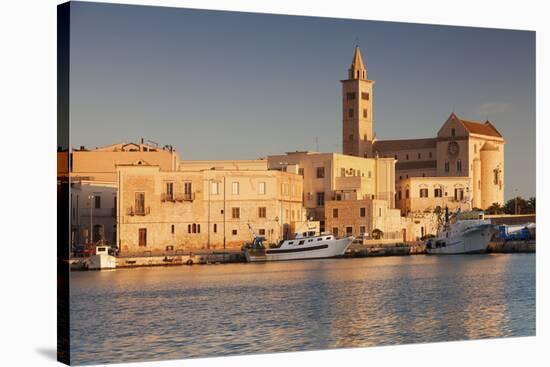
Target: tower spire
{"x":357,"y":69}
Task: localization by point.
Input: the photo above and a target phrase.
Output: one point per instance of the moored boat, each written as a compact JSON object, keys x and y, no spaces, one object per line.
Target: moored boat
{"x":465,"y":233}
{"x":304,"y":245}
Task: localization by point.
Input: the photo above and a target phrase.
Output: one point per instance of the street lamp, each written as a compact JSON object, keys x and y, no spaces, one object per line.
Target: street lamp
{"x":91,"y":236}
{"x":516,"y":202}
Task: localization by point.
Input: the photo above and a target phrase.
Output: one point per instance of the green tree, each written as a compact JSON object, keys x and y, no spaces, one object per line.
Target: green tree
{"x":510,"y":206}
{"x":495,"y":208}
{"x":531,"y":205}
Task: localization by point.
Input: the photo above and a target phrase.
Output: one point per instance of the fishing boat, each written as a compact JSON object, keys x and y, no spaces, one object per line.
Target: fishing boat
{"x":462,"y":233}
{"x":304,"y":245}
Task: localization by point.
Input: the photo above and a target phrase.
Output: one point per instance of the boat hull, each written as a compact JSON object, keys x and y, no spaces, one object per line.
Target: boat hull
{"x":473,"y":241}
{"x":320,"y":250}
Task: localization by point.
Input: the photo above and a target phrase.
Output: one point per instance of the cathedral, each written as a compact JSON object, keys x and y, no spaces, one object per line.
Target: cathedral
{"x":461,"y":167}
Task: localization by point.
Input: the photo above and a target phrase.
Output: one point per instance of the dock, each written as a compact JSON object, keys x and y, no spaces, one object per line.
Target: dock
{"x":204,"y":257}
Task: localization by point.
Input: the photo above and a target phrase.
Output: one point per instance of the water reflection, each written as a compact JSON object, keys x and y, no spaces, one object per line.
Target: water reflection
{"x":181,"y":312}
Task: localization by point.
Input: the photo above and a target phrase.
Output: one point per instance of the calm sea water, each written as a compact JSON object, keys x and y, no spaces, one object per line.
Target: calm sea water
{"x":199,"y":311}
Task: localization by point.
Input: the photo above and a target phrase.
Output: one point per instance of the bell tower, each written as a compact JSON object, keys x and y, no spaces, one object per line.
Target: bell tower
{"x":357,"y":133}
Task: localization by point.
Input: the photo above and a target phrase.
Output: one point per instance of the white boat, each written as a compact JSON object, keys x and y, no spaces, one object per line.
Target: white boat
{"x":305,"y":245}
{"x":101,"y":259}
{"x":465,"y":233}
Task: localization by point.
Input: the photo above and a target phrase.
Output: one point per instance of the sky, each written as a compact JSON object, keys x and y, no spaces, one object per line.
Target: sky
{"x":231,"y":85}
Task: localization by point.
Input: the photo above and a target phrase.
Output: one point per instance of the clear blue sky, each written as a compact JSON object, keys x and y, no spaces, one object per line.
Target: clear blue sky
{"x":229,"y":85}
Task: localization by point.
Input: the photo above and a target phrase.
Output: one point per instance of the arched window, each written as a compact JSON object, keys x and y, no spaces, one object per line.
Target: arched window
{"x":453,"y":132}
{"x":459,"y":165}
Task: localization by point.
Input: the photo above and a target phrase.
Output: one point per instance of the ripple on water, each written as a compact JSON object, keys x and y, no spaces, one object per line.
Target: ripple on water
{"x":184,"y":312}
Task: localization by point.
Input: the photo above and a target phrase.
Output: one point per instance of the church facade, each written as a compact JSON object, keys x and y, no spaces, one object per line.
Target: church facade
{"x":461,"y":167}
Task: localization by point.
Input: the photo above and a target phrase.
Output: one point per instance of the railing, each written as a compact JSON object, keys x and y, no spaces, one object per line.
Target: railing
{"x":185,"y":196}
{"x":139,"y":211}
{"x":167,"y":197}
{"x":177,"y":197}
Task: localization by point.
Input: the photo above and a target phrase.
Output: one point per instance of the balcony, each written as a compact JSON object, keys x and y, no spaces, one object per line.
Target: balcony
{"x":167,"y":197}
{"x":131,"y":211}
{"x":177,"y":197}
{"x":190,"y":196}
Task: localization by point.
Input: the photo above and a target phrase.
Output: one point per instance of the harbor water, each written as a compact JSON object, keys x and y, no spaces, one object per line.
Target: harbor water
{"x":200,"y":311}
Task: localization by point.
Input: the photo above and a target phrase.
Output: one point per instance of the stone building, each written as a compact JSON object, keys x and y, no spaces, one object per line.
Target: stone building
{"x":94,"y":185}
{"x":467,"y":157}
{"x":205,"y":205}
{"x":335,"y":183}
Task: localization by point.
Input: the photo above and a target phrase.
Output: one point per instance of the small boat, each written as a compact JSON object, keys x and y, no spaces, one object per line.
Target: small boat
{"x":304,"y":245}
{"x":464,"y":233}
{"x":101,"y":259}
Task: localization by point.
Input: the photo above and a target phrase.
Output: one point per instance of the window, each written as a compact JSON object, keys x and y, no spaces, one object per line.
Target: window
{"x":262,"y":212}
{"x":320,"y":199}
{"x":407,"y":194}
{"x":215,"y":188}
{"x":350,"y":96}
{"x":234,"y":232}
{"x":235,"y":188}
{"x":365,"y":96}
{"x":438,"y":193}
{"x":362,"y":230}
{"x":142,"y":237}
{"x":173,"y":229}
{"x":496,"y":178}
{"x":189,"y":228}
{"x":335,"y":231}
{"x":215,"y":230}
{"x":379,"y":212}
{"x":335,"y":213}
{"x":365,"y":114}
{"x":187,"y":188}
{"x":453,"y":132}
{"x":362,"y":212}
{"x":140,"y":202}
{"x":235,"y":213}
{"x":399,"y":195}
{"x":447,"y":166}
{"x":349,"y":231}
{"x":301,"y":171}
{"x":350,"y":112}
{"x":320,"y":172}
{"x":407,"y":157}
{"x":98,"y":232}
{"x":459,"y":165}
{"x":419,"y":155}
{"x":198,"y":228}
{"x":423,"y":193}
{"x":169,"y":190}
{"x":261,"y":188}
{"x":430,"y":154}
{"x":261,"y":232}
{"x":97,"y":201}
{"x":459,"y":194}
{"x":350,"y":136}
{"x":194,"y":228}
